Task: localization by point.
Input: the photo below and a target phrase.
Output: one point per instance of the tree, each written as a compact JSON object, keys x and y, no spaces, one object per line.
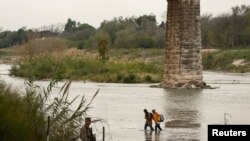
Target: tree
{"x":145,"y":41}
{"x":162,"y":25}
{"x":70,"y":25}
{"x":126,"y":38}
{"x":145,"y":18}
{"x":160,"y":36}
{"x":103,"y":40}
{"x":84,"y":26}
{"x":22,"y":35}
{"x":147,"y":23}
{"x":54,"y":29}
{"x":111,"y":27}
{"x":205,"y":25}
{"x":239,"y":24}
{"x":82,"y":32}
{"x":227,"y":30}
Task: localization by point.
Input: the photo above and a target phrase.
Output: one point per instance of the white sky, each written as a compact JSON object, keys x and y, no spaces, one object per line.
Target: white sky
{"x":37,"y":13}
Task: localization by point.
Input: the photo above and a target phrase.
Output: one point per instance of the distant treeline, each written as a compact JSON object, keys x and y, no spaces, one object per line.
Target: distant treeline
{"x":231,"y":30}
{"x":143,"y":31}
{"x":120,"y":32}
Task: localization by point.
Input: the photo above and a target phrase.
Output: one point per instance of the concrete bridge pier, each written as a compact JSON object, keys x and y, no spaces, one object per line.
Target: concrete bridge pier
{"x":183,"y":64}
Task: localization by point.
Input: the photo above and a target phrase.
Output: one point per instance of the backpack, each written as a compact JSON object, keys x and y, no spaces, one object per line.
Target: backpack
{"x":161,"y":118}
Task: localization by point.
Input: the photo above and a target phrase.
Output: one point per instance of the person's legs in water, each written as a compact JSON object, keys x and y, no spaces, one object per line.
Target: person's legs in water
{"x":160,"y":127}
{"x":145,"y":126}
{"x":157,"y":125}
{"x":151,"y":127}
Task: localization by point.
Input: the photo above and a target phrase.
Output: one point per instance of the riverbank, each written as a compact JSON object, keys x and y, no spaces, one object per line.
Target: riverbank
{"x":237,"y":61}
{"x":122,"y":66}
{"x":31,"y":120}
{"x":35,"y":103}
{"x":82,"y":65}
{"x":9,"y":56}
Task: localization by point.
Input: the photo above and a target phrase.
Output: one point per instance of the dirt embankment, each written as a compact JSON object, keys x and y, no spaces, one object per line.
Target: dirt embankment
{"x":209,"y":50}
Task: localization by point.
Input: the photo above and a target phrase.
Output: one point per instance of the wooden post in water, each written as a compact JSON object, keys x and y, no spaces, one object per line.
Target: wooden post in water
{"x":103,"y":133}
{"x":48,"y":127}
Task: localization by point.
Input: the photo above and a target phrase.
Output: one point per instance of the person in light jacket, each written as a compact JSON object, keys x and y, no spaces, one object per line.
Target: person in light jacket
{"x":156,"y":118}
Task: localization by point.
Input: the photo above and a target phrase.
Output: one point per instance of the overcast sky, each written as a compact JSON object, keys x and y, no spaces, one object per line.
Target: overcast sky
{"x":36,"y":13}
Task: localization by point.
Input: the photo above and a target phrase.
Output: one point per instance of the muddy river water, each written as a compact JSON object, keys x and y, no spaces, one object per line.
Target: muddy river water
{"x":187,"y":112}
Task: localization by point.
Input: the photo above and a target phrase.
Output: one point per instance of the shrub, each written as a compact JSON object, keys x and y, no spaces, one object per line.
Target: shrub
{"x":103,"y":40}
{"x":131,"y":78}
{"x":145,"y":42}
{"x":119,"y":77}
{"x":20,"y":119}
{"x":222,"y":60}
{"x":43,"y":46}
{"x":24,"y":118}
{"x":148,"y":78}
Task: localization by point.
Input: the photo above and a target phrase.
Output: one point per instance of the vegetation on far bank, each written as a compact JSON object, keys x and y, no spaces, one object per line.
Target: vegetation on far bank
{"x":43,"y":59}
{"x":227,"y":60}
{"x":228,"y":30}
{"x":66,"y":63}
{"x":89,"y":68}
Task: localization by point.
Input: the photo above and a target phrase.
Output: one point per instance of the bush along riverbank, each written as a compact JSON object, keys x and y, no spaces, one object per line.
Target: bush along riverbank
{"x":21,"y":118}
{"x":24,"y":114}
{"x":89,"y":68}
{"x":227,"y":60}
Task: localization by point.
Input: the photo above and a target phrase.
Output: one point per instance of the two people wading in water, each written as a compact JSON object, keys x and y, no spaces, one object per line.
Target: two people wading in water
{"x":149,"y":120}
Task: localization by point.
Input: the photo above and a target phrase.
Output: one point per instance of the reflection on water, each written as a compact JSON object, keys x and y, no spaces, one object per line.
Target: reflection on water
{"x":183,"y":119}
{"x":152,"y":135}
{"x":187,"y":112}
{"x":182,"y":110}
{"x":148,"y":135}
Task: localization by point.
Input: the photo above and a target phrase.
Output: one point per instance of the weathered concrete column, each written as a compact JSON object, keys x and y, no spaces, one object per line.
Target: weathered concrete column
{"x":183,"y":64}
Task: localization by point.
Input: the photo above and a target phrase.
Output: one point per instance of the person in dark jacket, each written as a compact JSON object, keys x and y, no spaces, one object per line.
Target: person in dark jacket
{"x":86,"y":132}
{"x":149,"y":118}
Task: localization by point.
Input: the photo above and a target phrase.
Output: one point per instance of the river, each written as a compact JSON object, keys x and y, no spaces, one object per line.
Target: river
{"x":187,"y":112}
